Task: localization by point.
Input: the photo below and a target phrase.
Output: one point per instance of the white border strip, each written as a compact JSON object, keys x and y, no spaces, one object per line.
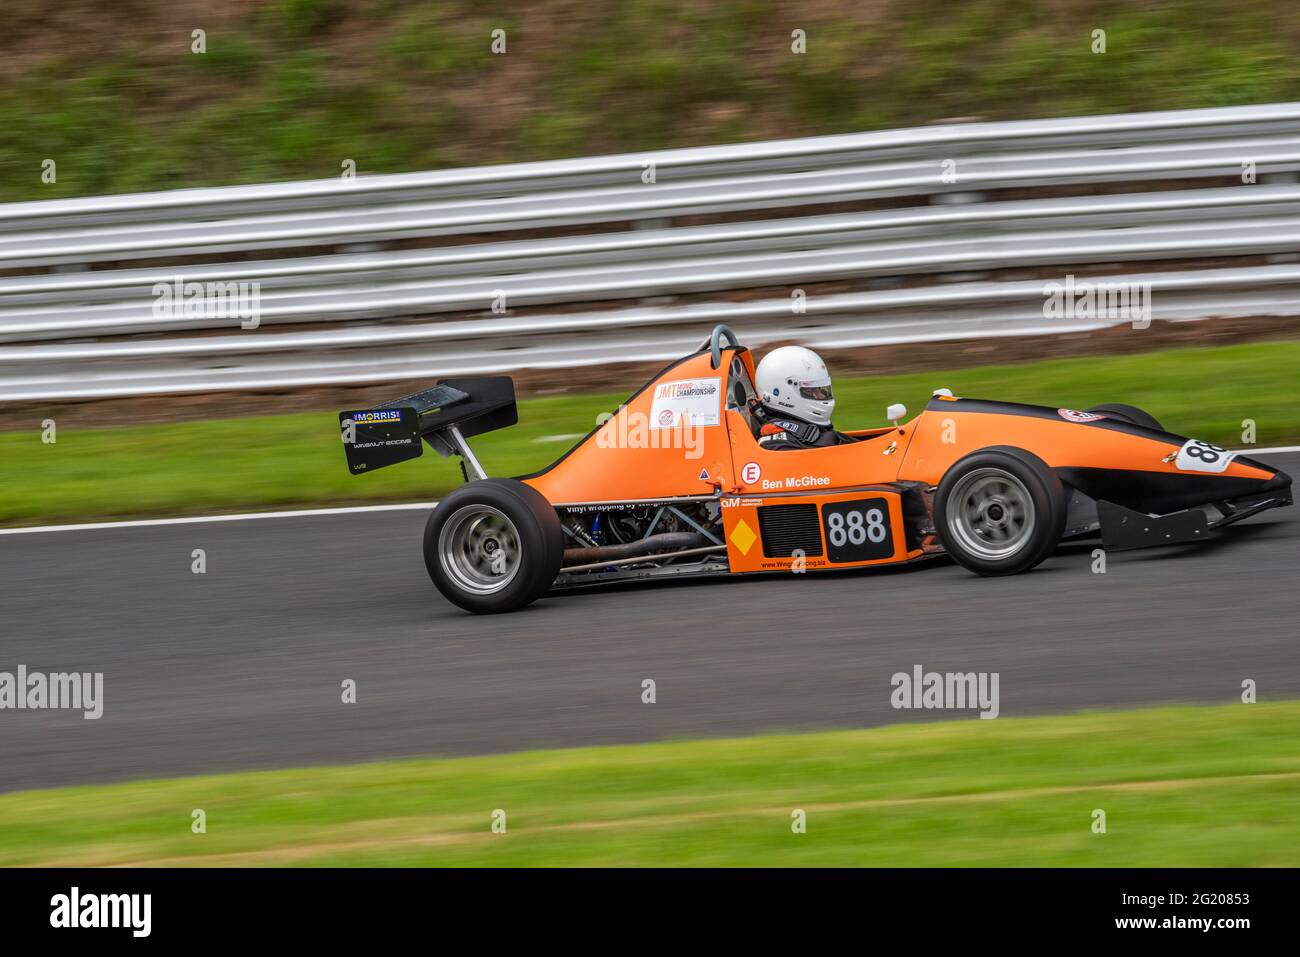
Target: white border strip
{"x":407,"y":506}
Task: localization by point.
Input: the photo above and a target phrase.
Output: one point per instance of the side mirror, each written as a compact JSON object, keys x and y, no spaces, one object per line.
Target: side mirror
{"x":896,"y":412}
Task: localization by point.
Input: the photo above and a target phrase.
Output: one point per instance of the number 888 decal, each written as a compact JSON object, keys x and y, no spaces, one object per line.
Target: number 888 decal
{"x":857,"y":531}
{"x":1198,"y":456}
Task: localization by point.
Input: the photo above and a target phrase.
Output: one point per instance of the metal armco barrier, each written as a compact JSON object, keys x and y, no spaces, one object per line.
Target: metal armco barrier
{"x":73,"y":321}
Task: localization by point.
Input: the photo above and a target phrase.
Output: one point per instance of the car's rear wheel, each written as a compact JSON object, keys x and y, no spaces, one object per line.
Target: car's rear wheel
{"x":1000,"y":511}
{"x":1127,"y":413}
{"x":494,"y":545}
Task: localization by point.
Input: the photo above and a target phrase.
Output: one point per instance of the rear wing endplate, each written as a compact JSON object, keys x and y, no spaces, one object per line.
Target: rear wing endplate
{"x":444,"y":416}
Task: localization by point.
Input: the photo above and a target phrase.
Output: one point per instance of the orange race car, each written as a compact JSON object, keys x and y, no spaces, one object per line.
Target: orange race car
{"x":674,"y":483}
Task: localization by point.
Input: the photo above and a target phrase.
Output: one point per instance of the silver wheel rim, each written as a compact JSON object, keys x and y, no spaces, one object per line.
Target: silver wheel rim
{"x":991,"y":513}
{"x":479,"y":549}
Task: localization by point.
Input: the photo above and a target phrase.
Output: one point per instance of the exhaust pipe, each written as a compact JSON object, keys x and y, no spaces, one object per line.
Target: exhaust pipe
{"x":664,"y":540}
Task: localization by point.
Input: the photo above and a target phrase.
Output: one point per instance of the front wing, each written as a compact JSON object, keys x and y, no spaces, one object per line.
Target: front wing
{"x":1123,"y":528}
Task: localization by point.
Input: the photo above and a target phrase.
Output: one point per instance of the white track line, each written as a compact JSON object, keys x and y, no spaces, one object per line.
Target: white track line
{"x":191,"y":520}
{"x":195,"y":519}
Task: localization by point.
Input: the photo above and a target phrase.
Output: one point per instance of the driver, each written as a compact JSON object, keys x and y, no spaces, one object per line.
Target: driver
{"x":795,"y":402}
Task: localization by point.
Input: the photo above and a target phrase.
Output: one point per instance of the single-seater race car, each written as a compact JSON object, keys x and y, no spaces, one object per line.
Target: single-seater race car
{"x":674,"y":483}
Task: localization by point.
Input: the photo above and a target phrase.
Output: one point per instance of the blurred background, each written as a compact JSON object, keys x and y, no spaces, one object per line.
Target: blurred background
{"x":288,"y":86}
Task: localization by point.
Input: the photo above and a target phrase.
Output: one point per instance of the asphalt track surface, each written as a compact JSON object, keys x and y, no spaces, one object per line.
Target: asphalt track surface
{"x":241,"y":667}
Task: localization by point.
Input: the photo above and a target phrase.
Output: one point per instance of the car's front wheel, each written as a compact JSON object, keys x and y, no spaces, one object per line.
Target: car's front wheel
{"x":999,"y":511}
{"x":494,"y":545}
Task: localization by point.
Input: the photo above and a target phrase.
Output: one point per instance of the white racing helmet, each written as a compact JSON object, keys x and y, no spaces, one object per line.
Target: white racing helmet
{"x":794,"y":380}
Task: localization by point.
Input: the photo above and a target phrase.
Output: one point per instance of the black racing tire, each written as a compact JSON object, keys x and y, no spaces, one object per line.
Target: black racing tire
{"x":493,"y":546}
{"x":1128,"y":413}
{"x":999,"y":511}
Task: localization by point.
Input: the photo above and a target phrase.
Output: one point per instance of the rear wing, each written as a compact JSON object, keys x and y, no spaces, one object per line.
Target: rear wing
{"x":444,"y":416}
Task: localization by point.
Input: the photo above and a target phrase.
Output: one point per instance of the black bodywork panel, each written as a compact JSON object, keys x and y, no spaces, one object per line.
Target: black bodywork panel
{"x":1163,"y":492}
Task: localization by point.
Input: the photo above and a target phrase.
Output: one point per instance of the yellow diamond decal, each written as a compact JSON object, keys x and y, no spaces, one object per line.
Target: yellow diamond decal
{"x":742,"y":536}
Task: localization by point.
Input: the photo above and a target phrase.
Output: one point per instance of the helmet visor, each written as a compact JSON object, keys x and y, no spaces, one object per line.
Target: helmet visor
{"x":820,"y":393}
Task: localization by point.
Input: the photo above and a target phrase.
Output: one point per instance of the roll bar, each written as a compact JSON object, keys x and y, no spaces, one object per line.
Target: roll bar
{"x":715,"y":342}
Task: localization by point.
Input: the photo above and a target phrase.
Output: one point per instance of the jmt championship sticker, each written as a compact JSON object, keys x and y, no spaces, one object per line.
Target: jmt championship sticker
{"x":693,"y":402}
